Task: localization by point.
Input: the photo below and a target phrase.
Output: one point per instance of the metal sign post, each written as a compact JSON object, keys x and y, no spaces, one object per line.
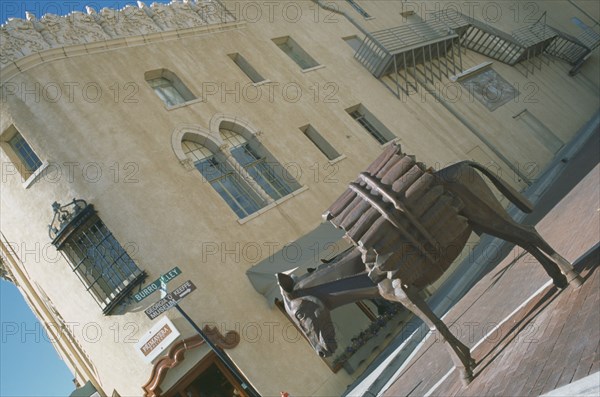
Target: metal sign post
{"x":169,"y":300}
{"x":221,"y":355}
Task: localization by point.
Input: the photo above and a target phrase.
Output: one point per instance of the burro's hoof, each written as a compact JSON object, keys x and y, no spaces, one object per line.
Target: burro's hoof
{"x":561,"y":282}
{"x":466,"y":376}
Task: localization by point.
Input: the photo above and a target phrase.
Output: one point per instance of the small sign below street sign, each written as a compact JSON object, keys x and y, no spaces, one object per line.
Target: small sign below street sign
{"x":157,"y":339}
{"x":170,"y":300}
{"x":156,"y":284}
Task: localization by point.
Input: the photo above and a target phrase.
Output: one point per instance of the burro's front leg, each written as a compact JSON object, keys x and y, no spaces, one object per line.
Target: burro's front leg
{"x":408,"y":296}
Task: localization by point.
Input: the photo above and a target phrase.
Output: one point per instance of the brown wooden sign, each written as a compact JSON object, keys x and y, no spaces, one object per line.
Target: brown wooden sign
{"x":170,"y":300}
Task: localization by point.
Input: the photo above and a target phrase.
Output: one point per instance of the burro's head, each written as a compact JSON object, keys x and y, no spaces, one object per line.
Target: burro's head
{"x":310,"y":315}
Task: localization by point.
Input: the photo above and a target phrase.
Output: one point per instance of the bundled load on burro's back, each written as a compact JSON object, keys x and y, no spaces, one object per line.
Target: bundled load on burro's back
{"x":408,"y":223}
{"x":402,"y":219}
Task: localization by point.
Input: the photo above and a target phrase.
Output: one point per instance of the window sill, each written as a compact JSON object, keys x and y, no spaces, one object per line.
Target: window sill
{"x":272,"y":205}
{"x":33,"y":177}
{"x":313,"y":68}
{"x":266,"y":81}
{"x":337,"y":159}
{"x":393,"y":141}
{"x":471,"y":71}
{"x":182,"y":105}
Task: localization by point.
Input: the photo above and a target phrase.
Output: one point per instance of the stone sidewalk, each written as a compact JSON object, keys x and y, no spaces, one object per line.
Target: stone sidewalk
{"x":527,"y":336}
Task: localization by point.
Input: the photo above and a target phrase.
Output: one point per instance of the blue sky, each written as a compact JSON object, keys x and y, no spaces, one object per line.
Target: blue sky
{"x":12,"y":8}
{"x":29,"y":365}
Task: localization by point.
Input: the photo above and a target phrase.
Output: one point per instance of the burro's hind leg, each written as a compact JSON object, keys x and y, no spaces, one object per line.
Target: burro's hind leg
{"x":565,"y":266}
{"x":485,"y":214}
{"x":527,"y":237}
{"x":408,"y":296}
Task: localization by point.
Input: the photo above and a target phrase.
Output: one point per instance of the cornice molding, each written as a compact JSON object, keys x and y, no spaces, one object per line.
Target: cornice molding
{"x":27,"y":42}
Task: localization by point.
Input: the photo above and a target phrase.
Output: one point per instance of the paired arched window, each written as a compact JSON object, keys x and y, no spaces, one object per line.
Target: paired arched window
{"x":241,"y":170}
{"x":270,"y":175}
{"x":230,"y":186}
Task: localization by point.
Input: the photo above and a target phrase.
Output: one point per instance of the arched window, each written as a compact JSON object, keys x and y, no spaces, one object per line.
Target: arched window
{"x":236,"y":164}
{"x":168,"y":87}
{"x":260,"y":165}
{"x":230,"y":186}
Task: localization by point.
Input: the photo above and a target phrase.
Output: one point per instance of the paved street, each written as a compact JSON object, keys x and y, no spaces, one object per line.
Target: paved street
{"x":527,"y":337}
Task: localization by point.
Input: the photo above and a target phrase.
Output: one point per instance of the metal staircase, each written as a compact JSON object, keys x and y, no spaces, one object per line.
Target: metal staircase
{"x":528,"y":46}
{"x":410,"y":52}
{"x":424,"y":51}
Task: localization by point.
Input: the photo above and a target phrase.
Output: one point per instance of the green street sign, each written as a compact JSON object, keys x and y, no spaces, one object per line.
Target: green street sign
{"x":155,"y":285}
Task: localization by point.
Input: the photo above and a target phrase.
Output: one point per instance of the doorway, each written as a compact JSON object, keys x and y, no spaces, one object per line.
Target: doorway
{"x":210,"y":378}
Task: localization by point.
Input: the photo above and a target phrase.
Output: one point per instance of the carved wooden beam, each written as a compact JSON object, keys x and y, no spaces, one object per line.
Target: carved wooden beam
{"x":177,"y":354}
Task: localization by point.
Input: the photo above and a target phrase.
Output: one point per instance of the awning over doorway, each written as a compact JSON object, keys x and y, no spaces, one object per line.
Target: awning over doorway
{"x":87,"y":390}
{"x":324,"y":242}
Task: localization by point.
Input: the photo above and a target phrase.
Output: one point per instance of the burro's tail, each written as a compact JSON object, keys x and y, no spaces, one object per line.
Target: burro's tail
{"x":508,"y":191}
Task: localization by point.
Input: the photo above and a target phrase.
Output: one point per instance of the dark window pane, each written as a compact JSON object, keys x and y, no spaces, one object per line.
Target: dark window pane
{"x":234,"y":191}
{"x":27,"y":156}
{"x":265,"y":174}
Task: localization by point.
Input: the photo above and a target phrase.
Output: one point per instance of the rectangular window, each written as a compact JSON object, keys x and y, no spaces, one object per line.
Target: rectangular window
{"x":353,"y":41}
{"x":320,"y":142}
{"x":358,"y":8}
{"x":246,"y":68}
{"x":26,"y":155}
{"x":101,"y":263}
{"x":294,"y":51}
{"x":371,"y":124}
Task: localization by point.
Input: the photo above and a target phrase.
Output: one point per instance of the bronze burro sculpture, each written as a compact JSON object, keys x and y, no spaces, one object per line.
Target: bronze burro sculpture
{"x":407,"y":225}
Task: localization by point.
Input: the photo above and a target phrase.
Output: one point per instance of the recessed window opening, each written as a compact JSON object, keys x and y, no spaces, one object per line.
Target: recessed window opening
{"x":370,"y":123}
{"x":295,"y":52}
{"x":358,"y":8}
{"x":168,"y":87}
{"x":28,"y":158}
{"x":245,"y":66}
{"x":320,"y":142}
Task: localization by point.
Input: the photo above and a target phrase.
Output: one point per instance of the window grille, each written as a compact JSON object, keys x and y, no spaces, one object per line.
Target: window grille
{"x":101,"y":263}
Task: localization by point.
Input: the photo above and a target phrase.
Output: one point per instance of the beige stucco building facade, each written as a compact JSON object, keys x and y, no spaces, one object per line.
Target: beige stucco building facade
{"x":213,"y":140}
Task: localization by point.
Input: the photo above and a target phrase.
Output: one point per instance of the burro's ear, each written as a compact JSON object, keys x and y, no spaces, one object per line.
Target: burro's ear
{"x":285,"y":282}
